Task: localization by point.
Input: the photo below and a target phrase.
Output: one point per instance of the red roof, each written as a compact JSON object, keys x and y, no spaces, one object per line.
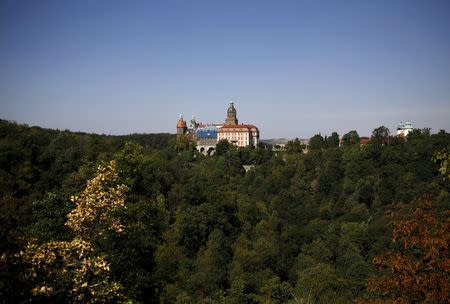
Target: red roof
{"x":364,"y":140}
{"x":239,"y":127}
{"x":181,"y":123}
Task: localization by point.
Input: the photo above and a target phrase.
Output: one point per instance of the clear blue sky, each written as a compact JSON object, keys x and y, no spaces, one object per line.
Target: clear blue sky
{"x":293,"y":68}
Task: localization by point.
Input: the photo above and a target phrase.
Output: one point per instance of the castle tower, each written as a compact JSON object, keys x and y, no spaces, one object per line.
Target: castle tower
{"x":181,"y":126}
{"x":231,"y":115}
{"x":194,"y":124}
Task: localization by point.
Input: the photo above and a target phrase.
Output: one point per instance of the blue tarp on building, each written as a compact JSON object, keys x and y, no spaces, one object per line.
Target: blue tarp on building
{"x":207,"y":132}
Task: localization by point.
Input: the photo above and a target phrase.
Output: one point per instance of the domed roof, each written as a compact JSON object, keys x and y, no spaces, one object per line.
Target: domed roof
{"x":181,"y":123}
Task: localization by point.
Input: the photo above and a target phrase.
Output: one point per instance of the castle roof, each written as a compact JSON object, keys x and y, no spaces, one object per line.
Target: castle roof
{"x":247,"y":127}
{"x":181,"y":123}
{"x":231,"y":108}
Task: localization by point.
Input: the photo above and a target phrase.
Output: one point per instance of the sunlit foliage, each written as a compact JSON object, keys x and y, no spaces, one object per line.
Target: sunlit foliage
{"x":74,"y":270}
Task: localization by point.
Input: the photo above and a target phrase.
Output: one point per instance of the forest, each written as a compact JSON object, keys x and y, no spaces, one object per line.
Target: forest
{"x":145,"y":218}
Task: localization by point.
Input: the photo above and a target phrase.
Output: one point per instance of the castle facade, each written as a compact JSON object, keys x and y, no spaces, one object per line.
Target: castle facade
{"x":207,"y":135}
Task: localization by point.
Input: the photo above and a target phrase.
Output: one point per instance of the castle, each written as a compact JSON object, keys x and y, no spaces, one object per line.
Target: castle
{"x":207,"y":135}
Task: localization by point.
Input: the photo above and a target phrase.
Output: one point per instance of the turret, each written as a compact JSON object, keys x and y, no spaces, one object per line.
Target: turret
{"x":231,"y":115}
{"x":181,"y":126}
{"x":193,"y":124}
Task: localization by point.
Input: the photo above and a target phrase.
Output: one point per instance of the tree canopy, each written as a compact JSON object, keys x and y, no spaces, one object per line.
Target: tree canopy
{"x":149,"y":222}
{"x":351,"y":138}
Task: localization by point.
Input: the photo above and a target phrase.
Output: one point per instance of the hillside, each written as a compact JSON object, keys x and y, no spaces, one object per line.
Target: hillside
{"x":159,"y":225}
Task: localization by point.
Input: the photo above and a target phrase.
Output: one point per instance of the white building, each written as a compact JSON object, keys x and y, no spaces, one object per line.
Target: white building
{"x":403,"y":129}
{"x":239,"y":135}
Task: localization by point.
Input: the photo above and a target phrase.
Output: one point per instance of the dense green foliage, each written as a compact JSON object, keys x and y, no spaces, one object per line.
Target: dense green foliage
{"x":298,"y":227}
{"x":350,"y":138}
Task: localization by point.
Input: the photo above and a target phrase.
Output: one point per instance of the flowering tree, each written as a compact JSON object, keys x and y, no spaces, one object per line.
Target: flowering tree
{"x":74,"y":270}
{"x":95,"y":206}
